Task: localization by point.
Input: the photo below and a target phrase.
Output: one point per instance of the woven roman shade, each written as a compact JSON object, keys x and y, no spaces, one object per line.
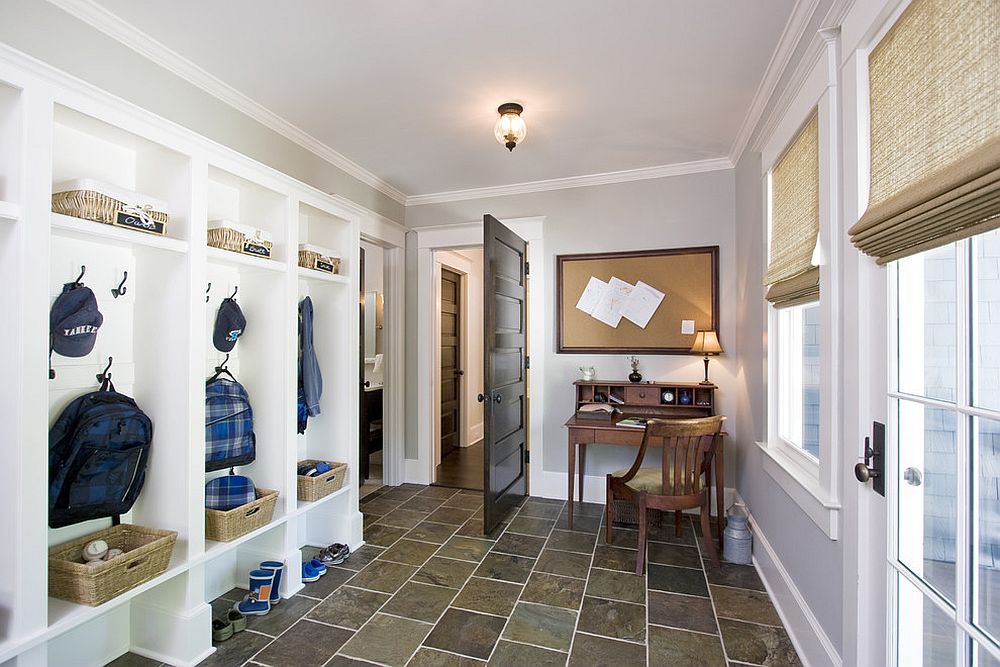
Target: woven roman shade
{"x":791,"y":276}
{"x":935,"y":129}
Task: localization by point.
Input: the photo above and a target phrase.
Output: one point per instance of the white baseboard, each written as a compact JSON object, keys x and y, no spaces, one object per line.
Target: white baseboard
{"x":475,"y":434}
{"x":810,"y":640}
{"x":415,"y":472}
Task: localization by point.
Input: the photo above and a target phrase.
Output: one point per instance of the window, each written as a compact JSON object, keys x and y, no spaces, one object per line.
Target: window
{"x":798,"y":373}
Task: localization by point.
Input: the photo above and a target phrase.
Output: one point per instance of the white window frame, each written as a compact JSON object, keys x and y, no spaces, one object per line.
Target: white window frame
{"x":812,"y":484}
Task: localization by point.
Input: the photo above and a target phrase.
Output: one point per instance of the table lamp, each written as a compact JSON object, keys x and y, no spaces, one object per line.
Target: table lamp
{"x":706,"y":342}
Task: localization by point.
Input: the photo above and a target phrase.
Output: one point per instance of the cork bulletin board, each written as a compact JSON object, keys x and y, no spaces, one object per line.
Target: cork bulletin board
{"x":687,"y":277}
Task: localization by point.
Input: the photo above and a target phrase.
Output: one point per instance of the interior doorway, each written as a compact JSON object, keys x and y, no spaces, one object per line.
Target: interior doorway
{"x":459,"y":443}
{"x":372,"y":365}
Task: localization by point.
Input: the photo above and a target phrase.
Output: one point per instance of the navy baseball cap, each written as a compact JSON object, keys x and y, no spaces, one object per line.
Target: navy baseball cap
{"x":229,"y":325}
{"x":74,"y":321}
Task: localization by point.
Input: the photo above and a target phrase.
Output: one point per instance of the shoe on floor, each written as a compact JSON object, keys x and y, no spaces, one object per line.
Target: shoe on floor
{"x":318,"y":566}
{"x":277,"y":567}
{"x":335,"y":554}
{"x":237,"y":620}
{"x":258,"y":601}
{"x":221,"y":630}
{"x":309,"y":573}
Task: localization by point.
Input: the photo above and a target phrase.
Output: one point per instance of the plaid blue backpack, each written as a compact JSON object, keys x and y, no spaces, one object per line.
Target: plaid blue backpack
{"x":98,"y":449}
{"x":229,"y":437}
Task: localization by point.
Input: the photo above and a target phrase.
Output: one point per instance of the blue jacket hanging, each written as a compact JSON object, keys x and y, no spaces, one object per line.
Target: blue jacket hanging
{"x":310,"y":377}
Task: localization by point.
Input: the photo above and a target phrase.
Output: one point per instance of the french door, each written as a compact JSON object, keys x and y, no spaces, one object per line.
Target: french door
{"x":943,"y":456}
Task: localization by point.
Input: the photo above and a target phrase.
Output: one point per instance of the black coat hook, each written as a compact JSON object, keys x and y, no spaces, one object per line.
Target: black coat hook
{"x":235,"y":290}
{"x":79,"y":278}
{"x":221,"y":367}
{"x":207,"y":290}
{"x":120,"y":290}
{"x":105,"y":375}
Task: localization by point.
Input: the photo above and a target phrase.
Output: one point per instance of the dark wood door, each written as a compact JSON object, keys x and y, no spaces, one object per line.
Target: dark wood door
{"x":506,"y":410}
{"x":451,"y":360}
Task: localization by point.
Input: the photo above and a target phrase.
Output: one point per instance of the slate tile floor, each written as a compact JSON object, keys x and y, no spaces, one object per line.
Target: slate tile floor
{"x":428,"y":590}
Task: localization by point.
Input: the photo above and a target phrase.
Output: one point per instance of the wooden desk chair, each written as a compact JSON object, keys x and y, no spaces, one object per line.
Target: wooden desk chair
{"x":682,"y":482}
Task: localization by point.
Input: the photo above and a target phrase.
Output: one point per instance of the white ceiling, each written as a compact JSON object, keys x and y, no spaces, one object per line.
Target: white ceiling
{"x":409,"y":89}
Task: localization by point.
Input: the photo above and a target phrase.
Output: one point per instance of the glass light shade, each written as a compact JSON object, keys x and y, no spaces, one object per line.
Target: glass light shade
{"x":706,"y":342}
{"x":510,"y":127}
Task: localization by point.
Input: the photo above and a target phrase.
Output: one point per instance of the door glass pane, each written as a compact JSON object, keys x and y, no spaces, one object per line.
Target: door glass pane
{"x":925,"y":634}
{"x":986,"y":318}
{"x":984,"y":658}
{"x":927,"y":494}
{"x":986,"y":489}
{"x":926,"y":322}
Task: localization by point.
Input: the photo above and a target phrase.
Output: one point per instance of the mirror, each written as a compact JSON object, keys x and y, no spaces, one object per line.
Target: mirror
{"x":374,"y":310}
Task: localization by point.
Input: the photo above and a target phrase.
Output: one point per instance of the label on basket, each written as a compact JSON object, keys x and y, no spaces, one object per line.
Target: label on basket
{"x":142,"y":223}
{"x":323,"y":265}
{"x":252,"y":248}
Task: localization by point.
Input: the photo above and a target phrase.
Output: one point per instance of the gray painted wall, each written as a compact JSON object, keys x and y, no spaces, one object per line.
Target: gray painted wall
{"x":49,"y":34}
{"x":691,"y":210}
{"x":817,"y":565}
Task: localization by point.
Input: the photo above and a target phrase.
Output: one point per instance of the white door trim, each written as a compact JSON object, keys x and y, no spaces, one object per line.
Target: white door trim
{"x":468,"y":234}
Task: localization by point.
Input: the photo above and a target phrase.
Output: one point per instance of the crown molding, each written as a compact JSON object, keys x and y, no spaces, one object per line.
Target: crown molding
{"x":147,"y":46}
{"x":606,"y":178}
{"x":792,"y":34}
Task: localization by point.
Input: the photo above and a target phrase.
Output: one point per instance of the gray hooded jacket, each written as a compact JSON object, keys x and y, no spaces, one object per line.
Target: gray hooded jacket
{"x":309,"y":373}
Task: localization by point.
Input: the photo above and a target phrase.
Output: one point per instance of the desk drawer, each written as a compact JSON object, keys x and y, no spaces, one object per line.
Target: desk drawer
{"x":642,"y":395}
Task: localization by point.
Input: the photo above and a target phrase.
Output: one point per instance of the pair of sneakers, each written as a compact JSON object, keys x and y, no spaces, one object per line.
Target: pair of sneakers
{"x":335,"y":554}
{"x":226,"y":626}
{"x":312,"y":570}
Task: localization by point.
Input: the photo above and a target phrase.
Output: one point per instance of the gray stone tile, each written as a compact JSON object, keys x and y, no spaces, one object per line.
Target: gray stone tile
{"x":427,"y":531}
{"x":614,"y":558}
{"x":541,"y":625}
{"x":383,"y":536}
{"x":403,"y":518}
{"x":465,"y":632}
{"x":423,"y":504}
{"x":622,"y":537}
{"x":444,"y":572}
{"x":505,"y":567}
{"x":132,"y":660}
{"x":508,"y":654}
{"x":676,"y":580}
{"x":305,"y":644}
{"x":453,"y":515}
{"x":282,"y":616}
{"x":581,"y":524}
{"x":685,"y":612}
{"x":489,"y":596}
{"x":519,"y":545}
{"x":529,"y":525}
{"x":610,"y":618}
{"x":409,"y":552}
{"x":348,"y":607}
{"x":438,"y":492}
{"x":564,"y":540}
{"x":387,"y":640}
{"x":591,"y":651}
{"x":420,"y":602}
{"x":398,"y":493}
{"x":334,"y":578}
{"x":542,"y":510}
{"x":359,"y":558}
{"x":465,"y":548}
{"x":554,"y":590}
{"x":474,"y":528}
{"x":431,"y":657}
{"x":668,"y":646}
{"x":625,"y":586}
{"x":587,"y":509}
{"x":744,"y":605}
{"x":383,"y":576}
{"x":465,"y":501}
{"x":673,"y":554}
{"x":343,"y":661}
{"x":737,"y":576}
{"x":379,"y":506}
{"x":565,"y":563}
{"x":758,"y":644}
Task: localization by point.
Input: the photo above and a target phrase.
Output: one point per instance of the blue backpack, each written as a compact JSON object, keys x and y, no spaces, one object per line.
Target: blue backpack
{"x":98,"y":450}
{"x":229,"y":436}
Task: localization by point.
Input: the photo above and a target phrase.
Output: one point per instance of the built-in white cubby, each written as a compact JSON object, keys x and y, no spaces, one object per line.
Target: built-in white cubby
{"x":159,"y":334}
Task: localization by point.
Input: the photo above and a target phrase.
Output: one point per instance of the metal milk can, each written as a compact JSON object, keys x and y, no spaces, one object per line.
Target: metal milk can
{"x":737,"y":541}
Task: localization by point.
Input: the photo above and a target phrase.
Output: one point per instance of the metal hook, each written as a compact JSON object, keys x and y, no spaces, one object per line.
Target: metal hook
{"x":235,"y":290}
{"x":207,"y":290}
{"x":221,"y":367}
{"x":121,"y":289}
{"x":105,"y":375}
{"x":79,"y":278}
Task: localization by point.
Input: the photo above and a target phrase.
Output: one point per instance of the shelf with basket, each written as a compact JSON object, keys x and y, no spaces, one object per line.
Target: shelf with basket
{"x":312,"y":274}
{"x":246,"y":219}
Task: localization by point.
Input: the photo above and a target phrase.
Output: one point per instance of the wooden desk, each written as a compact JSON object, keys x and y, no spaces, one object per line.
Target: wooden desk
{"x":583,"y":432}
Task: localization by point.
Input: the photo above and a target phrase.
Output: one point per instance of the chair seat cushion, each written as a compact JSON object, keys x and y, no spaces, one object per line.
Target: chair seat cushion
{"x":649,"y":480}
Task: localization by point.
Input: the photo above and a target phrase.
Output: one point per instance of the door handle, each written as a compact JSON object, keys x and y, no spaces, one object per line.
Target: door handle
{"x":873,"y":467}
{"x":480,"y":398}
{"x":913,"y":477}
{"x":460,"y":373}
{"x":368,"y":383}
{"x":497,"y":398}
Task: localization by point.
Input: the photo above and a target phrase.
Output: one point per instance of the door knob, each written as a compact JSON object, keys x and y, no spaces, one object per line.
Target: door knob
{"x":459,"y":373}
{"x":864,"y":473}
{"x":913,"y":477}
{"x":368,"y":383}
{"x":480,"y":398}
{"x":873,"y":468}
{"x":497,"y":398}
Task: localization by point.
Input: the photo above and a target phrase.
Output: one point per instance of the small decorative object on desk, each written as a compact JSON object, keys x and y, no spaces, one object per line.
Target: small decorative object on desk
{"x":603,"y":412}
{"x":632,"y":422}
{"x":634,"y":376}
{"x":600,"y":397}
{"x":588,"y":374}
{"x":684,"y":397}
{"x":737,"y":544}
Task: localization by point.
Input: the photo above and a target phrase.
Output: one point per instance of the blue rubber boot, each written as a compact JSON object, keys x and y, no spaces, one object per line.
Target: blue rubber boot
{"x":258,"y":601}
{"x":277,"y":567}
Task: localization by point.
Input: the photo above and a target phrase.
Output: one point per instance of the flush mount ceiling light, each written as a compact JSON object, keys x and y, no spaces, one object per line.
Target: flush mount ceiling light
{"x":510,"y":128}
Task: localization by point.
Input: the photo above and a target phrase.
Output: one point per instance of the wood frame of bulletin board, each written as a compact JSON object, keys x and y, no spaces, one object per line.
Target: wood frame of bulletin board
{"x":689,"y":277}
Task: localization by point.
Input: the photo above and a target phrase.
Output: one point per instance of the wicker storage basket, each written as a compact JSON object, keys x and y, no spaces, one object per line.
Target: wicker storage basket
{"x":107,"y":204}
{"x":314,"y":488}
{"x":227,"y":526}
{"x":319,"y":259}
{"x":232,"y":236}
{"x":147,"y":554}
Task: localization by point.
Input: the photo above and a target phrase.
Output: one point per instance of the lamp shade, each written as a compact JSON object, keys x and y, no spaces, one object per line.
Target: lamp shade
{"x":706,"y":342}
